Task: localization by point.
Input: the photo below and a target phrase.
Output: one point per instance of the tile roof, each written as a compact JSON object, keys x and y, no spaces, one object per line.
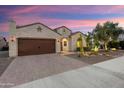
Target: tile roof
{"x":63,"y":27}
{"x":18,"y":27}
{"x":54,"y":30}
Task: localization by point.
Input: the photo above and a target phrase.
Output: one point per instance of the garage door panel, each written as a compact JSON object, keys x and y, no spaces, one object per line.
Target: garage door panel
{"x":35,"y":46}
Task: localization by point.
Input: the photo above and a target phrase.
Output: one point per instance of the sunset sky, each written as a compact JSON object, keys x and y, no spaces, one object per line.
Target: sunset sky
{"x":78,"y":18}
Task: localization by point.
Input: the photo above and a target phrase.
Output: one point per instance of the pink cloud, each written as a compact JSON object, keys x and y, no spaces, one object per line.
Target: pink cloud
{"x":24,"y":10}
{"x":73,"y":24}
{"x":68,"y":9}
{"x":4,"y":27}
{"x":53,"y":23}
{"x":4,"y":10}
{"x":85,"y":24}
{"x":34,"y":9}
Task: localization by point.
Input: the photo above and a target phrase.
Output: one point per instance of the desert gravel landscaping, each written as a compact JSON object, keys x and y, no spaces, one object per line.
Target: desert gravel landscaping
{"x":98,"y":58}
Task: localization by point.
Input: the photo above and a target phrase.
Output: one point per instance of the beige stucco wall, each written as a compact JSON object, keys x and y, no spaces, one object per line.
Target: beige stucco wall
{"x":64,"y":34}
{"x":74,"y":39}
{"x":30,"y":32}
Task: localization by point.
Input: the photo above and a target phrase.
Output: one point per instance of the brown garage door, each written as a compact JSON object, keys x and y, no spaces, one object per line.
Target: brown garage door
{"x":35,"y":46}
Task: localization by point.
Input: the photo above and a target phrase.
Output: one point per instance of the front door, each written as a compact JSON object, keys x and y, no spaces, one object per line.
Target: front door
{"x":65,"y":45}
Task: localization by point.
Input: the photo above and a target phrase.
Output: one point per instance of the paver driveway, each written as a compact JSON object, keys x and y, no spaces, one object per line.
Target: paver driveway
{"x":28,"y":68}
{"x":104,"y":75}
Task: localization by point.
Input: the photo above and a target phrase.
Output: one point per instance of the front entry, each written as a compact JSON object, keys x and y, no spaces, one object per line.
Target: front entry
{"x":35,"y":46}
{"x":64,"y":44}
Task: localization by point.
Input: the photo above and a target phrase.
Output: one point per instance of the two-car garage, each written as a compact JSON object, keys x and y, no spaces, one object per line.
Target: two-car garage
{"x":30,"y":46}
{"x":33,"y":39}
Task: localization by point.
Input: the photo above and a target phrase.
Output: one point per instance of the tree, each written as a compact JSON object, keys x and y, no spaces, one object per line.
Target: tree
{"x":107,"y":32}
{"x":116,"y":33}
{"x":113,"y":29}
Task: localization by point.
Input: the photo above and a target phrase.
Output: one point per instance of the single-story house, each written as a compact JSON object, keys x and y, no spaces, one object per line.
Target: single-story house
{"x":121,"y":37}
{"x":3,"y":42}
{"x":37,"y":38}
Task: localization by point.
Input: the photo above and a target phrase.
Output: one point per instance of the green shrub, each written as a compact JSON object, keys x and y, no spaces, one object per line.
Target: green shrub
{"x":114,"y":44}
{"x":122,"y":44}
{"x":78,"y":49}
{"x":87,"y":49}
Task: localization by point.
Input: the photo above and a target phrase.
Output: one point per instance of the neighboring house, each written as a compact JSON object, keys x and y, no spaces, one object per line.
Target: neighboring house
{"x":121,"y":37}
{"x":3,"y":42}
{"x":38,"y":38}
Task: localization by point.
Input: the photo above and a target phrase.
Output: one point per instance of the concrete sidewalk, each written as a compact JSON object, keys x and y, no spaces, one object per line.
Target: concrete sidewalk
{"x":102,"y":75}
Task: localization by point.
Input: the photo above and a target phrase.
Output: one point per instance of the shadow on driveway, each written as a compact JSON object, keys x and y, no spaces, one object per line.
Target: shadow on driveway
{"x":4,"y":61}
{"x":4,"y":54}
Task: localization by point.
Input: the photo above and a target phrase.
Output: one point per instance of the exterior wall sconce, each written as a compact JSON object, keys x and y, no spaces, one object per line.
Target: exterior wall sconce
{"x":58,"y":40}
{"x":12,"y":38}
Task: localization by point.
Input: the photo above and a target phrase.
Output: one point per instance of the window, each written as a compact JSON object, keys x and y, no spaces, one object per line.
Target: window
{"x":64,"y":31}
{"x":65,"y":43}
